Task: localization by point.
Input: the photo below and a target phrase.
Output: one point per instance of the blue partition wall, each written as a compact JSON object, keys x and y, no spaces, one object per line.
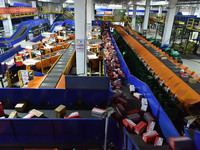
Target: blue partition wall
{"x":57,"y":131}
{"x":55,"y":97}
{"x":195,"y":135}
{"x":165,"y":123}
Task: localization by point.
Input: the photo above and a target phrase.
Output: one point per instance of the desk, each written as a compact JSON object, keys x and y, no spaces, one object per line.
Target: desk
{"x":29,"y":63}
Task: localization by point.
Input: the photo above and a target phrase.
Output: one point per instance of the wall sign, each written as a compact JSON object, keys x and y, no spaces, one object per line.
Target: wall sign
{"x":80,"y":44}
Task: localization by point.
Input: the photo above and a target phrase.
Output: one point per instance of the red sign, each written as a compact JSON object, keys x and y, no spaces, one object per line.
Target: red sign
{"x":17,"y":10}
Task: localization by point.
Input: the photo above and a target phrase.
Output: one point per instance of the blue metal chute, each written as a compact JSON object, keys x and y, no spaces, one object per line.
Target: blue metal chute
{"x":21,"y":32}
{"x":55,"y":24}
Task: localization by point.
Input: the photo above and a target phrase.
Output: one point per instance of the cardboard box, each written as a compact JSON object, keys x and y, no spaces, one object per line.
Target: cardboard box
{"x":134,"y":117}
{"x":150,"y":126}
{"x":192,"y":80}
{"x":163,"y":58}
{"x":29,"y":116}
{"x":138,"y":95}
{"x":148,"y":117}
{"x":97,"y":112}
{"x":73,"y":115}
{"x":132,"y":88}
{"x":140,"y":127}
{"x":1,"y":110}
{"x":158,"y":141}
{"x":60,"y":111}
{"x":117,"y":93}
{"x":122,"y":101}
{"x":144,"y":104}
{"x":149,"y":136}
{"x":37,"y":113}
{"x":129,"y":124}
{"x":13,"y":114}
{"x":184,"y":75}
{"x":117,"y":82}
{"x":117,"y":116}
{"x":133,"y":111}
{"x":20,"y":107}
{"x":181,"y":142}
{"x":120,"y":109}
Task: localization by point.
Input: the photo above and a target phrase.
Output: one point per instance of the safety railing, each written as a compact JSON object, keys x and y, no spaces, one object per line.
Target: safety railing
{"x":22,"y":15}
{"x":190,"y":23}
{"x":50,"y":10}
{"x":112,"y":18}
{"x":70,"y":15}
{"x":3,"y":17}
{"x":193,"y":24}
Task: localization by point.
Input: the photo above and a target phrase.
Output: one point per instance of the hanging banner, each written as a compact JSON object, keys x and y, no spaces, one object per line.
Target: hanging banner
{"x":17,"y":10}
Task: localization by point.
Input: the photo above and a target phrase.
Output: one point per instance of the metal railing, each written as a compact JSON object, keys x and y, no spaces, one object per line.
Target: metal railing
{"x":50,"y":10}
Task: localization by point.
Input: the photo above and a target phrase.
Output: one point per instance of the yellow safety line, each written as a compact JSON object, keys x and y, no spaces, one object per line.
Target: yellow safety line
{"x":192,"y":69}
{"x":195,"y":62}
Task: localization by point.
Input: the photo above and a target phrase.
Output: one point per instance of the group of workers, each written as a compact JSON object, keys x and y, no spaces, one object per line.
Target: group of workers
{"x":19,"y":58}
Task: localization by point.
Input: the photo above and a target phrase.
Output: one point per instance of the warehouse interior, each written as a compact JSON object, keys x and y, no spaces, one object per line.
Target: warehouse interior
{"x":99,"y":75}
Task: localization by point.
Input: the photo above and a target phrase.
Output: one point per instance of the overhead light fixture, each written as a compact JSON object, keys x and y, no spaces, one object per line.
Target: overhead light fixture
{"x":69,"y":1}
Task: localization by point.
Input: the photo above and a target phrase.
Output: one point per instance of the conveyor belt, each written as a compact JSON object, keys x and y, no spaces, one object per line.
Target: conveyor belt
{"x":18,"y":35}
{"x":186,"y":93}
{"x":170,"y":65}
{"x":53,"y":77}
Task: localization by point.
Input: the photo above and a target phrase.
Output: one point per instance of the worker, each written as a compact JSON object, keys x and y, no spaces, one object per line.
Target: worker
{"x":179,"y":60}
{"x":18,"y":59}
{"x":100,"y":57}
{"x":62,"y":33}
{"x":41,"y":45}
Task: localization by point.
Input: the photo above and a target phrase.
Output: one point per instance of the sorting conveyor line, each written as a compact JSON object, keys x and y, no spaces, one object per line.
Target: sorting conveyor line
{"x":171,"y":66}
{"x":54,"y":76}
{"x":18,"y":35}
{"x":166,"y":71}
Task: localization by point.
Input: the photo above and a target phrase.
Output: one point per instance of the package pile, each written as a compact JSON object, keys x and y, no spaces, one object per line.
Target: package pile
{"x":22,"y":107}
{"x":135,"y":120}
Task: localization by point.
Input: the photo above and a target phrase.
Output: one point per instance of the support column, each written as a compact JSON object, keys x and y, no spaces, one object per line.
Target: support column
{"x":90,"y":16}
{"x":50,"y":15}
{"x":7,"y":24}
{"x":127,"y":10}
{"x":80,"y":36}
{"x":169,"y":21}
{"x":198,"y":14}
{"x":34,"y":5}
{"x":160,"y":10}
{"x":177,"y":9}
{"x":146,"y":17}
{"x":192,"y":10}
{"x":51,"y":19}
{"x":134,"y":17}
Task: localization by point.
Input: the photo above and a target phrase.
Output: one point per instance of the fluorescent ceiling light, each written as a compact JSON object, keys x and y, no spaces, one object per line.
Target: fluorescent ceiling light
{"x":69,"y":1}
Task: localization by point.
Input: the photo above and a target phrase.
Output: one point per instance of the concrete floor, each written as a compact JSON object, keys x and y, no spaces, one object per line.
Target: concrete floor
{"x":192,"y":62}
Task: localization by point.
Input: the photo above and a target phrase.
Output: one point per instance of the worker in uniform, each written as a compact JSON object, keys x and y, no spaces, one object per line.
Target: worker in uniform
{"x":18,"y":59}
{"x":41,"y":45}
{"x":100,"y":58}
